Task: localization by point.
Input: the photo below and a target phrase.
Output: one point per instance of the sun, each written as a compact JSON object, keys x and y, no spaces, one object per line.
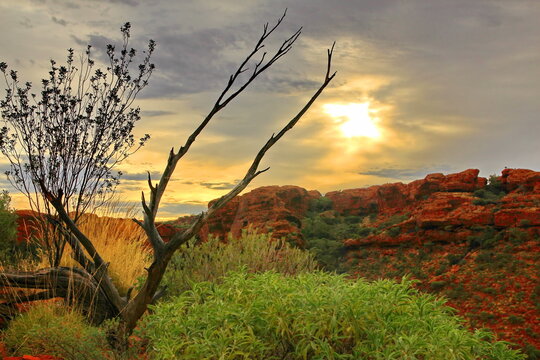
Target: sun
{"x":354,"y":119}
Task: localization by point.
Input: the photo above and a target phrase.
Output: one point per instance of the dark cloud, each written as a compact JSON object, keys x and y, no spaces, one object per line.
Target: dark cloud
{"x":224,"y":185}
{"x":181,"y":208}
{"x":26,"y":23}
{"x":153,"y":113}
{"x":123,"y":2}
{"x":405,"y":173}
{"x":142,"y":176}
{"x":218,"y":185}
{"x":59,"y":21}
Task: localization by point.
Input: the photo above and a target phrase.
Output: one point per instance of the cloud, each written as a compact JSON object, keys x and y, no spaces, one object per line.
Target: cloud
{"x":123,"y":2}
{"x":141,"y":176}
{"x":59,"y":21}
{"x":176,"y":209}
{"x":26,"y":23}
{"x":154,"y":113}
{"x":218,"y":185}
{"x":405,"y":173}
{"x":213,"y":185}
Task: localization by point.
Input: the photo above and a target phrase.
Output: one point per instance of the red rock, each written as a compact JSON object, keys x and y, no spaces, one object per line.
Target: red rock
{"x":26,"y":225}
{"x":422,"y":189}
{"x":444,"y":209}
{"x":391,"y":197}
{"x":465,"y":181}
{"x":518,"y":217}
{"x":219,"y":224}
{"x":523,"y":179}
{"x":166,"y":231}
{"x":278,"y":209}
{"x":355,"y":201}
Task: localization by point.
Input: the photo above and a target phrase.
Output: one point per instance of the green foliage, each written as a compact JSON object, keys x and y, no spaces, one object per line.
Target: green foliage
{"x":324,"y":237}
{"x":321,"y":204}
{"x":495,"y":185}
{"x":491,"y":193}
{"x":8,"y":228}
{"x":515,"y":320}
{"x":517,"y":236}
{"x":486,"y":239}
{"x":394,"y":231}
{"x":438,"y":285}
{"x":8,"y":218}
{"x":212,"y":260}
{"x":312,"y":316}
{"x":532,"y":352}
{"x":54,"y":330}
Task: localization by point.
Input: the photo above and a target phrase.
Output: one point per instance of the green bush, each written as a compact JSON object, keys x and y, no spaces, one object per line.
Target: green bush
{"x":212,"y":260}
{"x":394,"y":231}
{"x":486,"y":239}
{"x":8,"y":228}
{"x":324,"y":237}
{"x":321,"y":204}
{"x":492,"y":193}
{"x":54,"y":330}
{"x":312,"y":316}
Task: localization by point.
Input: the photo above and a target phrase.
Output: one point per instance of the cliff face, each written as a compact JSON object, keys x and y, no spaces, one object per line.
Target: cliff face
{"x":276,"y":209}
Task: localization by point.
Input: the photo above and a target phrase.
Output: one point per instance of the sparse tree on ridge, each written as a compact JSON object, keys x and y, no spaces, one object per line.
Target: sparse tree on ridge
{"x":95,"y":290}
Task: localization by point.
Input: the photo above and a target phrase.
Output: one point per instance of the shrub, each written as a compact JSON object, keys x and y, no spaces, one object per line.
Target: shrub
{"x":491,"y":193}
{"x":515,"y":320}
{"x":394,"y":231}
{"x":321,"y":204}
{"x":486,"y":239}
{"x":312,"y":316}
{"x":8,"y":218}
{"x":212,"y":260}
{"x":517,"y":236}
{"x":324,"y":237}
{"x":8,"y":228}
{"x":54,"y":330}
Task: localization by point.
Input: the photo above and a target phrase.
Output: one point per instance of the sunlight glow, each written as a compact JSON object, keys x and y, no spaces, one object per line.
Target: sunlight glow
{"x":355,"y":119}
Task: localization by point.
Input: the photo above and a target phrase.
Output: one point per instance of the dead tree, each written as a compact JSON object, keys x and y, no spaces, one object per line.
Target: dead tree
{"x":93,"y":278}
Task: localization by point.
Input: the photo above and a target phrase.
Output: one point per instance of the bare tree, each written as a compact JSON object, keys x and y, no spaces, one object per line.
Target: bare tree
{"x":70,"y":136}
{"x":92,"y":280}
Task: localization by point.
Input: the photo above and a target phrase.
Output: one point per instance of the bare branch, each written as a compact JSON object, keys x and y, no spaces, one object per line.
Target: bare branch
{"x":180,"y":238}
{"x":223,"y":100}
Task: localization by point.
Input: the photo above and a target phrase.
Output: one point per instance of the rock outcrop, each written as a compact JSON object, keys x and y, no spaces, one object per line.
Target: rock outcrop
{"x":275,"y":209}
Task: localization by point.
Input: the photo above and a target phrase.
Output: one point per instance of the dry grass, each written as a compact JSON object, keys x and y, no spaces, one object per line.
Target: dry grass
{"x":118,"y":240}
{"x":213,"y":260}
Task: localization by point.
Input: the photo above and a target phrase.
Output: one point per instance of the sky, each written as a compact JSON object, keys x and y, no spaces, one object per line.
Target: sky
{"x":421,"y":87}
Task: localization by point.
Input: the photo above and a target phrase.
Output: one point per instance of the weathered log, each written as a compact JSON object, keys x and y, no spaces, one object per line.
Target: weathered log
{"x":75,"y":286}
